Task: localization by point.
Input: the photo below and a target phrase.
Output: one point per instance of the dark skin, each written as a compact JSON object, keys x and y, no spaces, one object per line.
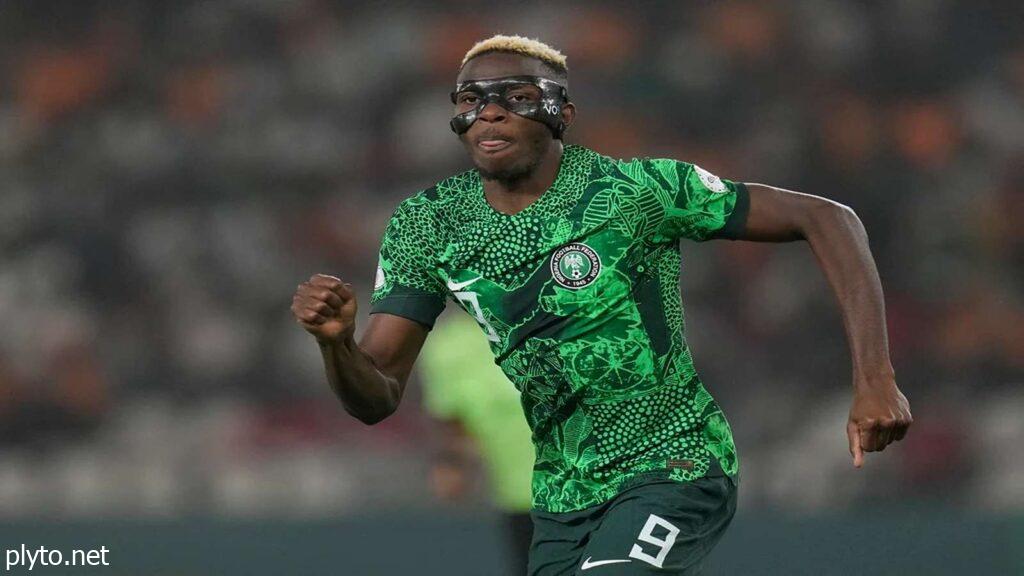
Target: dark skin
{"x":370,"y":377}
{"x":530,"y":142}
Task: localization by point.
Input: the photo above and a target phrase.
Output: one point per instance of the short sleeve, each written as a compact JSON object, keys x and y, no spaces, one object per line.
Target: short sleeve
{"x":407,"y":283}
{"x":697,"y":204}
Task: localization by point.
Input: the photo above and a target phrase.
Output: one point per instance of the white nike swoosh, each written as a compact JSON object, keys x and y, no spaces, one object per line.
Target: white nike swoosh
{"x":456,"y":286}
{"x":587,"y":564}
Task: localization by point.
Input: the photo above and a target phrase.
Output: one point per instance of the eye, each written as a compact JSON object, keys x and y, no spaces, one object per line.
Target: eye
{"x":523,"y":94}
{"x":466,"y":98}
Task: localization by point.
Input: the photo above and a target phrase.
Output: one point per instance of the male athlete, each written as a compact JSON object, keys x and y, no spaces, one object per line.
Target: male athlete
{"x":569,"y":261}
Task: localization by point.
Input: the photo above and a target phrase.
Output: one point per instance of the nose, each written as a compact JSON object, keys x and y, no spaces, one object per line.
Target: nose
{"x":492,"y":113}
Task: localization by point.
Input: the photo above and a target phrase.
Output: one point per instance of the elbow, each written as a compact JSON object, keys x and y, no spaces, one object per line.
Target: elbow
{"x":373,"y":418}
{"x":828,"y":217}
{"x":376,"y":410}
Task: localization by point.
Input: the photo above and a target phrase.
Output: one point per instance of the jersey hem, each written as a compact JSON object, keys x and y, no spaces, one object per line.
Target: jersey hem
{"x":421,"y":307}
{"x":736,"y":224}
{"x":663,"y":475}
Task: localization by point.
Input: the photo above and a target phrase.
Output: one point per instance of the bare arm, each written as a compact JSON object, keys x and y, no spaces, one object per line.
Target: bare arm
{"x":880,"y":413}
{"x":369,"y":377}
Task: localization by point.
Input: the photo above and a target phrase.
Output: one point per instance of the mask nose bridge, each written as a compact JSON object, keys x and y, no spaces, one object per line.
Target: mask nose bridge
{"x":493,"y":97}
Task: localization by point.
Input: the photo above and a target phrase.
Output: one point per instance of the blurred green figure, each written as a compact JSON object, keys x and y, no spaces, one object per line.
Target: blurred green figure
{"x":481,"y":417}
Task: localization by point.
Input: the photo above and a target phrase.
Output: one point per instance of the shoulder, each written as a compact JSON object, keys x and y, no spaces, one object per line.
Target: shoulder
{"x":414,"y":217}
{"x":430,"y":211}
{"x":421,"y":201}
{"x":455,"y":187}
{"x":672,"y":176}
{"x":643,"y":170}
{"x":440,"y":195}
{"x":662,"y":170}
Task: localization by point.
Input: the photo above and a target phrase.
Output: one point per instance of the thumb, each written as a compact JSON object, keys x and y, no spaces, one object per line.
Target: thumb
{"x":853,"y":434}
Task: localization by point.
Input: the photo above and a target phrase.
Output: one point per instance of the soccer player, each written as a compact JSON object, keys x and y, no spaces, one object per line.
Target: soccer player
{"x":569,"y":261}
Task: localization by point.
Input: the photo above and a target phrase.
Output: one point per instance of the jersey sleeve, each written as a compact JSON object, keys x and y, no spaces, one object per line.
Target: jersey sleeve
{"x":407,"y":283}
{"x":697,"y":204}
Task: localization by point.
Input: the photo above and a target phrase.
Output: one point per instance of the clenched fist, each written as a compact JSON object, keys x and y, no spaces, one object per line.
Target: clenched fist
{"x":326,"y":308}
{"x":880,"y":415}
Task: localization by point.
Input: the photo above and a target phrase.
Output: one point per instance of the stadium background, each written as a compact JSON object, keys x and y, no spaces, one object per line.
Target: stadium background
{"x":169,"y":171}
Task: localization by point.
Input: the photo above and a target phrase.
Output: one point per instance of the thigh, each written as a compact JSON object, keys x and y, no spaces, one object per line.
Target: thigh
{"x":660,"y":529}
{"x":519,"y":528}
{"x":559,"y":539}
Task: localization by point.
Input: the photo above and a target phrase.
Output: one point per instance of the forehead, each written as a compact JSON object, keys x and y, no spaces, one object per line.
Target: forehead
{"x":499,"y":65}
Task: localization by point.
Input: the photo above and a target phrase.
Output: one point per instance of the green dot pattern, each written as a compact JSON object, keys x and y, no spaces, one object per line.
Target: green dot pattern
{"x":605,"y":378}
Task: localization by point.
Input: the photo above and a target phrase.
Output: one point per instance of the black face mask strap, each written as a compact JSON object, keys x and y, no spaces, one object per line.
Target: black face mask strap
{"x":547,"y":111}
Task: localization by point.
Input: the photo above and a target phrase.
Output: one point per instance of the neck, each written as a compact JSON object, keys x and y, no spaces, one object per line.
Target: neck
{"x":512,"y":196}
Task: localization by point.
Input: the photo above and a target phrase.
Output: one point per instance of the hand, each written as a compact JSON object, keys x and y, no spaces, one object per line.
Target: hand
{"x":880,"y":415}
{"x":326,"y":308}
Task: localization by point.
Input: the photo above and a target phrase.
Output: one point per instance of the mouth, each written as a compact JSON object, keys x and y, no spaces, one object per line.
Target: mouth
{"x":492,"y":142}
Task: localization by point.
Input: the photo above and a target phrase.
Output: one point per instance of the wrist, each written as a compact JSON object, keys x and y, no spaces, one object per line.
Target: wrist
{"x":345,"y":341}
{"x":878,"y":376}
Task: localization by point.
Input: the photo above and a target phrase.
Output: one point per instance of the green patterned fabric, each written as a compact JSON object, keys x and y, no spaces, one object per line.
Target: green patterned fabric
{"x":578,"y":295}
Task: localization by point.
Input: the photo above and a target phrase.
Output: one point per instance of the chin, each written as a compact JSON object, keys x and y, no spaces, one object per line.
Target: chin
{"x":504,"y":171}
{"x":505,"y":168}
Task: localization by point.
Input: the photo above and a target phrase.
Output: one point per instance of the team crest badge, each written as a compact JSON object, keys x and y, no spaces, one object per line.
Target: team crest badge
{"x":575,"y":265}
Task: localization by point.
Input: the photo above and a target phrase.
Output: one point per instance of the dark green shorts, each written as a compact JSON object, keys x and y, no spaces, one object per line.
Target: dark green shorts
{"x":660,"y":528}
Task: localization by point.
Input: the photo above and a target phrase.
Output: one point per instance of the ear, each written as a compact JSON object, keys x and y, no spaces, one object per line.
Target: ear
{"x":568,"y":114}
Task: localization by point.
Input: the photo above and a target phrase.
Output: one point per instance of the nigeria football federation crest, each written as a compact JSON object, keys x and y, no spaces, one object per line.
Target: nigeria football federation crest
{"x":575,"y":265}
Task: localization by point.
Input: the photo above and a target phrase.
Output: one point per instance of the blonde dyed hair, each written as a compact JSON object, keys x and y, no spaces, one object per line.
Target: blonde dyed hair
{"x":518,"y":45}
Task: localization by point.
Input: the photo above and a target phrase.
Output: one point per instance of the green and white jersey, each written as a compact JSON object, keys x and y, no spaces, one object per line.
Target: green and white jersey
{"x":578,"y":295}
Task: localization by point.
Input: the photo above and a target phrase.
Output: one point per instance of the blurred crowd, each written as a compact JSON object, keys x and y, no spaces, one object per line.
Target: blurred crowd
{"x":169,"y":171}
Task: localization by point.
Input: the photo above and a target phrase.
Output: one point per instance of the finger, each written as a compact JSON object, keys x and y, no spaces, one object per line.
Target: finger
{"x":310,"y":316}
{"x":322,"y":308}
{"x":307,"y":325}
{"x":900,"y":431}
{"x":342,"y":289}
{"x":881,"y":438}
{"x":307,"y":293}
{"x":905,"y":424}
{"x":318,"y":283}
{"x":887,"y":434}
{"x":300,"y":304}
{"x":325,"y":295}
{"x":868,"y":436}
{"x":853,"y":435}
{"x":325,"y":281}
{"x":345,"y":291}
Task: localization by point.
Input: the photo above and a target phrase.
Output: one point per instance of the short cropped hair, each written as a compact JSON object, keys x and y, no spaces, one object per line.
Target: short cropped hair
{"x":524,"y":47}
